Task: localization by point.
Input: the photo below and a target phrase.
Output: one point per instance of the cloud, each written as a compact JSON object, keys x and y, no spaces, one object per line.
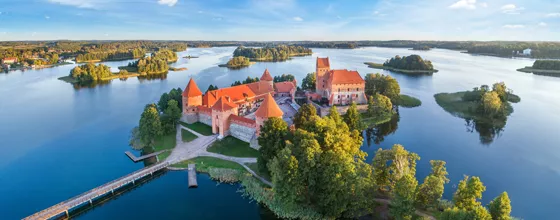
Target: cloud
{"x":297,"y":18}
{"x":464,"y":4}
{"x":513,"y":26}
{"x":47,"y":17}
{"x":77,"y":3}
{"x":169,"y":3}
{"x":511,"y":9}
{"x":542,"y":24}
{"x":553,"y":15}
{"x":483,"y":4}
{"x":338,"y":16}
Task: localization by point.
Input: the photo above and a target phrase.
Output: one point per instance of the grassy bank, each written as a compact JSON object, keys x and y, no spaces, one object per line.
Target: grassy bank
{"x":177,"y":68}
{"x":254,"y":167}
{"x":231,"y":146}
{"x":203,"y":164}
{"x":69,"y":79}
{"x":371,"y":121}
{"x":198,"y":127}
{"x":412,"y":72}
{"x":454,"y":104}
{"x":540,"y":71}
{"x":408,"y":101}
{"x":165,"y":142}
{"x":187,"y":136}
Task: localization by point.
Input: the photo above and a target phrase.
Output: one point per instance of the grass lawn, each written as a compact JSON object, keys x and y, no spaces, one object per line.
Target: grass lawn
{"x":408,"y":101}
{"x":234,"y":147}
{"x":187,"y":135}
{"x":199,"y":127}
{"x":454,"y":104}
{"x":255,"y":168}
{"x":166,"y":142}
{"x":163,"y":155}
{"x":373,"y":121}
{"x":204,"y":163}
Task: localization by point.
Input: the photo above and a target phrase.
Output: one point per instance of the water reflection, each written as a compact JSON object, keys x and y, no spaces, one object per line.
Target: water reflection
{"x":378,"y":133}
{"x":488,"y":130}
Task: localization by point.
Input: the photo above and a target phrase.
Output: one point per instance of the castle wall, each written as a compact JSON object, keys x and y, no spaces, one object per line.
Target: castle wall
{"x":241,"y":131}
{"x":205,"y":119}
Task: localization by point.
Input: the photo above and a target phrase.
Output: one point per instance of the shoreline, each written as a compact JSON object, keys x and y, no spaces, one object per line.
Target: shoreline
{"x":236,"y":67}
{"x":415,"y":72}
{"x":532,"y":70}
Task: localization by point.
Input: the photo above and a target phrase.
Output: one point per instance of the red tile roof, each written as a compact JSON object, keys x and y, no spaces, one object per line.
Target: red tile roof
{"x":223,"y":104}
{"x":284,"y":86}
{"x":236,"y":93}
{"x":269,"y":108}
{"x":345,"y":77}
{"x":192,"y":89}
{"x":323,"y":62}
{"x":266,"y":76}
{"x":260,"y":88}
{"x":243,"y":120}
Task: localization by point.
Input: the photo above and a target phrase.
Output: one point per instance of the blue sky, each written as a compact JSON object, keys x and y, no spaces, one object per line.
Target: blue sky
{"x":280,"y":19}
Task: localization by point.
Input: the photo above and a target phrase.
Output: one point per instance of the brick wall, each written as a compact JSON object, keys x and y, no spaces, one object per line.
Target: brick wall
{"x":205,"y":119}
{"x":241,"y":131}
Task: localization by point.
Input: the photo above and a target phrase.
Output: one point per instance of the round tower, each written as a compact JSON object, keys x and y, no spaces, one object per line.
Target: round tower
{"x":266,"y":77}
{"x":192,"y":98}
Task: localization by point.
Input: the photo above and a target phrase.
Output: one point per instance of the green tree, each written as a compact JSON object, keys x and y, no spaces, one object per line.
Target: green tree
{"x":333,"y":114}
{"x":468,"y":192}
{"x":455,"y":214}
{"x":502,"y":91}
{"x":304,"y":114}
{"x":353,"y":118}
{"x":272,"y":140}
{"x":384,"y":85}
{"x":402,"y":203}
{"x":432,"y":189}
{"x":480,"y":213}
{"x":150,"y":125}
{"x":391,"y":164}
{"x":308,"y":83}
{"x":163,"y":100}
{"x":491,"y":103}
{"x":500,"y":207}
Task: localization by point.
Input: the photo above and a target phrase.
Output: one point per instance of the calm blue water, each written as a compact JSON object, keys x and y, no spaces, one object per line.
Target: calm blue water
{"x":57,"y":141}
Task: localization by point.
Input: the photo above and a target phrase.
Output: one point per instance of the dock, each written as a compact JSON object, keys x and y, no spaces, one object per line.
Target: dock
{"x":136,"y":159}
{"x":192,"y":176}
{"x":89,"y":197}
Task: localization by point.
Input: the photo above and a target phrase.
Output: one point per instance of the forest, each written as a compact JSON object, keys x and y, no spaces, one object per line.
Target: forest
{"x":547,"y":64}
{"x":277,"y":53}
{"x":238,"y":61}
{"x":111,"y":55}
{"x":412,"y":62}
{"x":149,"y":65}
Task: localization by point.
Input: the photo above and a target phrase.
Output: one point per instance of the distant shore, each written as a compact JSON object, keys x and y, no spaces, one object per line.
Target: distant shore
{"x":529,"y":69}
{"x":236,"y":66}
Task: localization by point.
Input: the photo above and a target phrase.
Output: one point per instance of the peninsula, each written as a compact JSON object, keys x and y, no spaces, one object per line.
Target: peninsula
{"x":412,"y":64}
{"x":277,"y":53}
{"x":543,"y":67}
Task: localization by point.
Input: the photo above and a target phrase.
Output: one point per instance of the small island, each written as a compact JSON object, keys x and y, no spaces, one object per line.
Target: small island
{"x":237,"y":62}
{"x":412,"y":64}
{"x":485,"y":109}
{"x":277,"y":53}
{"x":90,"y":73}
{"x":543,"y":67}
{"x":421,"y":47}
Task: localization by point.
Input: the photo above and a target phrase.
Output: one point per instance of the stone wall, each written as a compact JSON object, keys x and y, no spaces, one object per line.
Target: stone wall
{"x":190,"y":118}
{"x":241,"y":132}
{"x":205,"y":119}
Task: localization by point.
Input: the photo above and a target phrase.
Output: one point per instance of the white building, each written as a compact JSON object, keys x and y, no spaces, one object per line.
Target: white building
{"x":527,"y":52}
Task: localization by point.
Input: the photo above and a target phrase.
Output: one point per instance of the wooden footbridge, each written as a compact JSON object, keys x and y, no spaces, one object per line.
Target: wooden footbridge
{"x":136,"y":159}
{"x":87,"y":197}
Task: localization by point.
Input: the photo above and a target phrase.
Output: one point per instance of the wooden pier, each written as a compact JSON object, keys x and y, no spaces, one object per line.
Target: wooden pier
{"x":136,"y":159}
{"x":192,"y":176}
{"x":89,"y":196}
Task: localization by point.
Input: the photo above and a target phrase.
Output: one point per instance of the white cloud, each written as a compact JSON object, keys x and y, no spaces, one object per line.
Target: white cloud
{"x":553,"y":15}
{"x":542,"y":24}
{"x":47,"y":17}
{"x":169,"y":3}
{"x":376,"y":12}
{"x":297,"y":18}
{"x":338,"y":16}
{"x":513,"y":26}
{"x":483,"y":4}
{"x":464,"y":4}
{"x":106,"y":35}
{"x":511,"y":9}
{"x":77,"y":3}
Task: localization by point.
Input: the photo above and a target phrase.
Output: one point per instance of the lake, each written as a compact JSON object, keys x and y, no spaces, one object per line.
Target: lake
{"x":58,"y":141}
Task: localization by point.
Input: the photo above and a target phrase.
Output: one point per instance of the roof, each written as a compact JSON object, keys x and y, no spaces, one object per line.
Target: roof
{"x":260,"y":87}
{"x":284,"y":86}
{"x":269,"y":108}
{"x":242,"y":119}
{"x":236,"y":93}
{"x":266,"y":76}
{"x":345,"y":77}
{"x":323,"y":62}
{"x":192,"y":89}
{"x":223,"y":104}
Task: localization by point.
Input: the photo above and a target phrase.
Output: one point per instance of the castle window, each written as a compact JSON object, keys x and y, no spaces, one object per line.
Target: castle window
{"x":348,"y":89}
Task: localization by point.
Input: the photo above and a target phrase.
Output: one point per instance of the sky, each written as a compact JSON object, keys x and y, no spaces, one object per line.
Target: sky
{"x":269,"y":20}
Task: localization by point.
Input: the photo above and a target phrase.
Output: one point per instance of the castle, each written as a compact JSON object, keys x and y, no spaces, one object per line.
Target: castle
{"x":238,"y":111}
{"x":339,"y":87}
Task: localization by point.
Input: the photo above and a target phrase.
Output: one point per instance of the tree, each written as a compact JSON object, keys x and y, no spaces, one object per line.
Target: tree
{"x":491,"y":103}
{"x":353,"y":118}
{"x":163,"y":101}
{"x":432,"y":189}
{"x":384,"y":85}
{"x":455,"y":214}
{"x":502,"y":91}
{"x":379,"y":105}
{"x":468,"y":192}
{"x":272,"y":140}
{"x":308,"y":83}
{"x":212,"y":88}
{"x":500,"y":207}
{"x":480,"y":213}
{"x":333,"y":114}
{"x":391,"y":164}
{"x":303,"y":115}
{"x":402,"y":203}
{"x":150,"y":125}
